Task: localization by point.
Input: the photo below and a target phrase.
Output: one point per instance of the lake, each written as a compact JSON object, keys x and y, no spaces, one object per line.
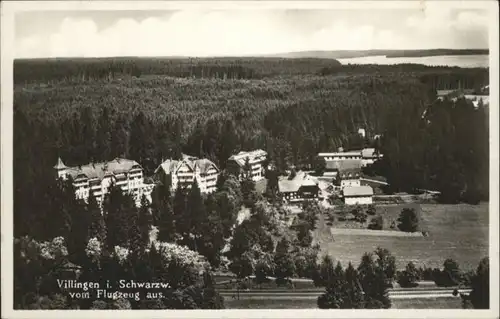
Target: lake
{"x":463,"y":61}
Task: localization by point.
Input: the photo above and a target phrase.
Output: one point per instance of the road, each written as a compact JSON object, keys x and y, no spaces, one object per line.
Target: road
{"x":394,"y":294}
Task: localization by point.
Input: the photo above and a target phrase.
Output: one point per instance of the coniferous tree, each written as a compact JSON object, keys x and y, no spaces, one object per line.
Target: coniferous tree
{"x":78,"y":237}
{"x":135,"y":240}
{"x":103,"y":136}
{"x":144,"y":222}
{"x":374,"y":283}
{"x":119,"y":139}
{"x":227,"y":142}
{"x":63,"y":204}
{"x":98,"y":226}
{"x":248,"y":191}
{"x":140,"y":144}
{"x":88,"y":134}
{"x":353,"y":292}
{"x":480,"y":294}
{"x":325,"y":272}
{"x":179,"y":210}
{"x":334,"y":296}
{"x":163,"y":213}
{"x":195,"y":216}
{"x":120,"y":210}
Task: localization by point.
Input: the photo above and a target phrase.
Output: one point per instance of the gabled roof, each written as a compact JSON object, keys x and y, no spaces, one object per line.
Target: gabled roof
{"x":344,"y":165}
{"x":100,"y":170}
{"x":193,"y":163}
{"x":368,"y":153}
{"x":301,"y":179}
{"x":340,"y":154}
{"x":357,"y":191}
{"x":241,"y":157}
{"x":59,"y":164}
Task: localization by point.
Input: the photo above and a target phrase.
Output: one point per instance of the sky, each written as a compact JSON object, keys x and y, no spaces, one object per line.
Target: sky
{"x":244,"y":32}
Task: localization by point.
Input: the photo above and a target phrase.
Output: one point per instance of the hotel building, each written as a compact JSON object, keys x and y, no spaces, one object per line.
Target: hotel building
{"x":256,"y":158}
{"x":183,"y":172}
{"x":96,"y":178}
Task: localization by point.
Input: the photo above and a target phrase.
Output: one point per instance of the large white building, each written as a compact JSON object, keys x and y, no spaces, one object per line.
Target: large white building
{"x":358,"y":195}
{"x":96,"y":178}
{"x":367,"y":156}
{"x":183,"y":172}
{"x":339,"y":156}
{"x":256,"y":159}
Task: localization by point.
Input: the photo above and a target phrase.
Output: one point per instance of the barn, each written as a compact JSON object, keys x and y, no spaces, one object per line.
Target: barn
{"x":358,"y":195}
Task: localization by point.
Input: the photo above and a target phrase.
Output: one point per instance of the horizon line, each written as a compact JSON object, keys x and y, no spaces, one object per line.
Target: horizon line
{"x":256,"y":55}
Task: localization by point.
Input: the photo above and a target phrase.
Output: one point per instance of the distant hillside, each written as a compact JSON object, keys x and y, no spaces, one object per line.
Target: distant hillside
{"x":347,"y":54}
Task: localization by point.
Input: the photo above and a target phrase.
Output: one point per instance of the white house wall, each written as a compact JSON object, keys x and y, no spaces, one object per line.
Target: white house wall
{"x":365,"y":200}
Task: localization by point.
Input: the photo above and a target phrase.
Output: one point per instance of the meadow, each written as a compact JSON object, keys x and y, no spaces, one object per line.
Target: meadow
{"x":457,"y":231}
{"x":424,"y":303}
{"x":428,"y":303}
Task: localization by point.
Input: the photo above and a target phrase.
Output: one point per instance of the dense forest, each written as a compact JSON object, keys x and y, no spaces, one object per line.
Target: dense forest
{"x":292,"y":109}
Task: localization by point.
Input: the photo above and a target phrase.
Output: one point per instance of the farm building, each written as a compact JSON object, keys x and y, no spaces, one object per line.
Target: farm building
{"x":358,"y":195}
{"x":300,"y":187}
{"x":347,"y":171}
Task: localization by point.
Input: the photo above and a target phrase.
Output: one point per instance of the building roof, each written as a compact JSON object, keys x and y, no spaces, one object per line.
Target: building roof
{"x":171,"y":166}
{"x":59,"y":164}
{"x":357,"y":191}
{"x":301,"y":179}
{"x":241,"y":157}
{"x":100,"y":170}
{"x":350,"y":153}
{"x":344,"y":165}
{"x":368,"y":153}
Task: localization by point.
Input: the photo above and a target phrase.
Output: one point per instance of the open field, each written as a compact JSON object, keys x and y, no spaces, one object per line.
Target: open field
{"x":428,"y":303}
{"x":310,"y":303}
{"x":270,"y":303}
{"x":389,"y":212}
{"x":459,"y":232}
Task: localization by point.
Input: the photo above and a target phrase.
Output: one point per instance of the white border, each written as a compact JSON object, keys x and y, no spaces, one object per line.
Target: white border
{"x":8,"y":10}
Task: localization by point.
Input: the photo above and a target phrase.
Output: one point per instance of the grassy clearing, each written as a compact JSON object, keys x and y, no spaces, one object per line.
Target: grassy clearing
{"x":455,"y":231}
{"x":390,"y":214}
{"x":424,"y":303}
{"x":270,"y":303}
{"x":428,"y":303}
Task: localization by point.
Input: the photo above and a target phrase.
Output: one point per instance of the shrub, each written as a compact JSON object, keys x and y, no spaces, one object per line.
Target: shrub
{"x":408,"y":220}
{"x":371,"y":210}
{"x":449,"y":276}
{"x":408,"y":277}
{"x":360,"y":217}
{"x":377,"y":223}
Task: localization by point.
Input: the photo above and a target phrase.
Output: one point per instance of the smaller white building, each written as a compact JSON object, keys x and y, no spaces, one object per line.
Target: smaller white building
{"x":362,"y":132}
{"x":256,"y":159}
{"x":369,"y":156}
{"x":358,"y":195}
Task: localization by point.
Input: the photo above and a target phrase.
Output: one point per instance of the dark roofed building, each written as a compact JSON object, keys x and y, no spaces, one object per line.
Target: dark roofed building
{"x":301,"y":187}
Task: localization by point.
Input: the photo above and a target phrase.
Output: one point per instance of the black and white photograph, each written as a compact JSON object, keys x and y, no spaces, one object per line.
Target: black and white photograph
{"x":243,"y":156}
